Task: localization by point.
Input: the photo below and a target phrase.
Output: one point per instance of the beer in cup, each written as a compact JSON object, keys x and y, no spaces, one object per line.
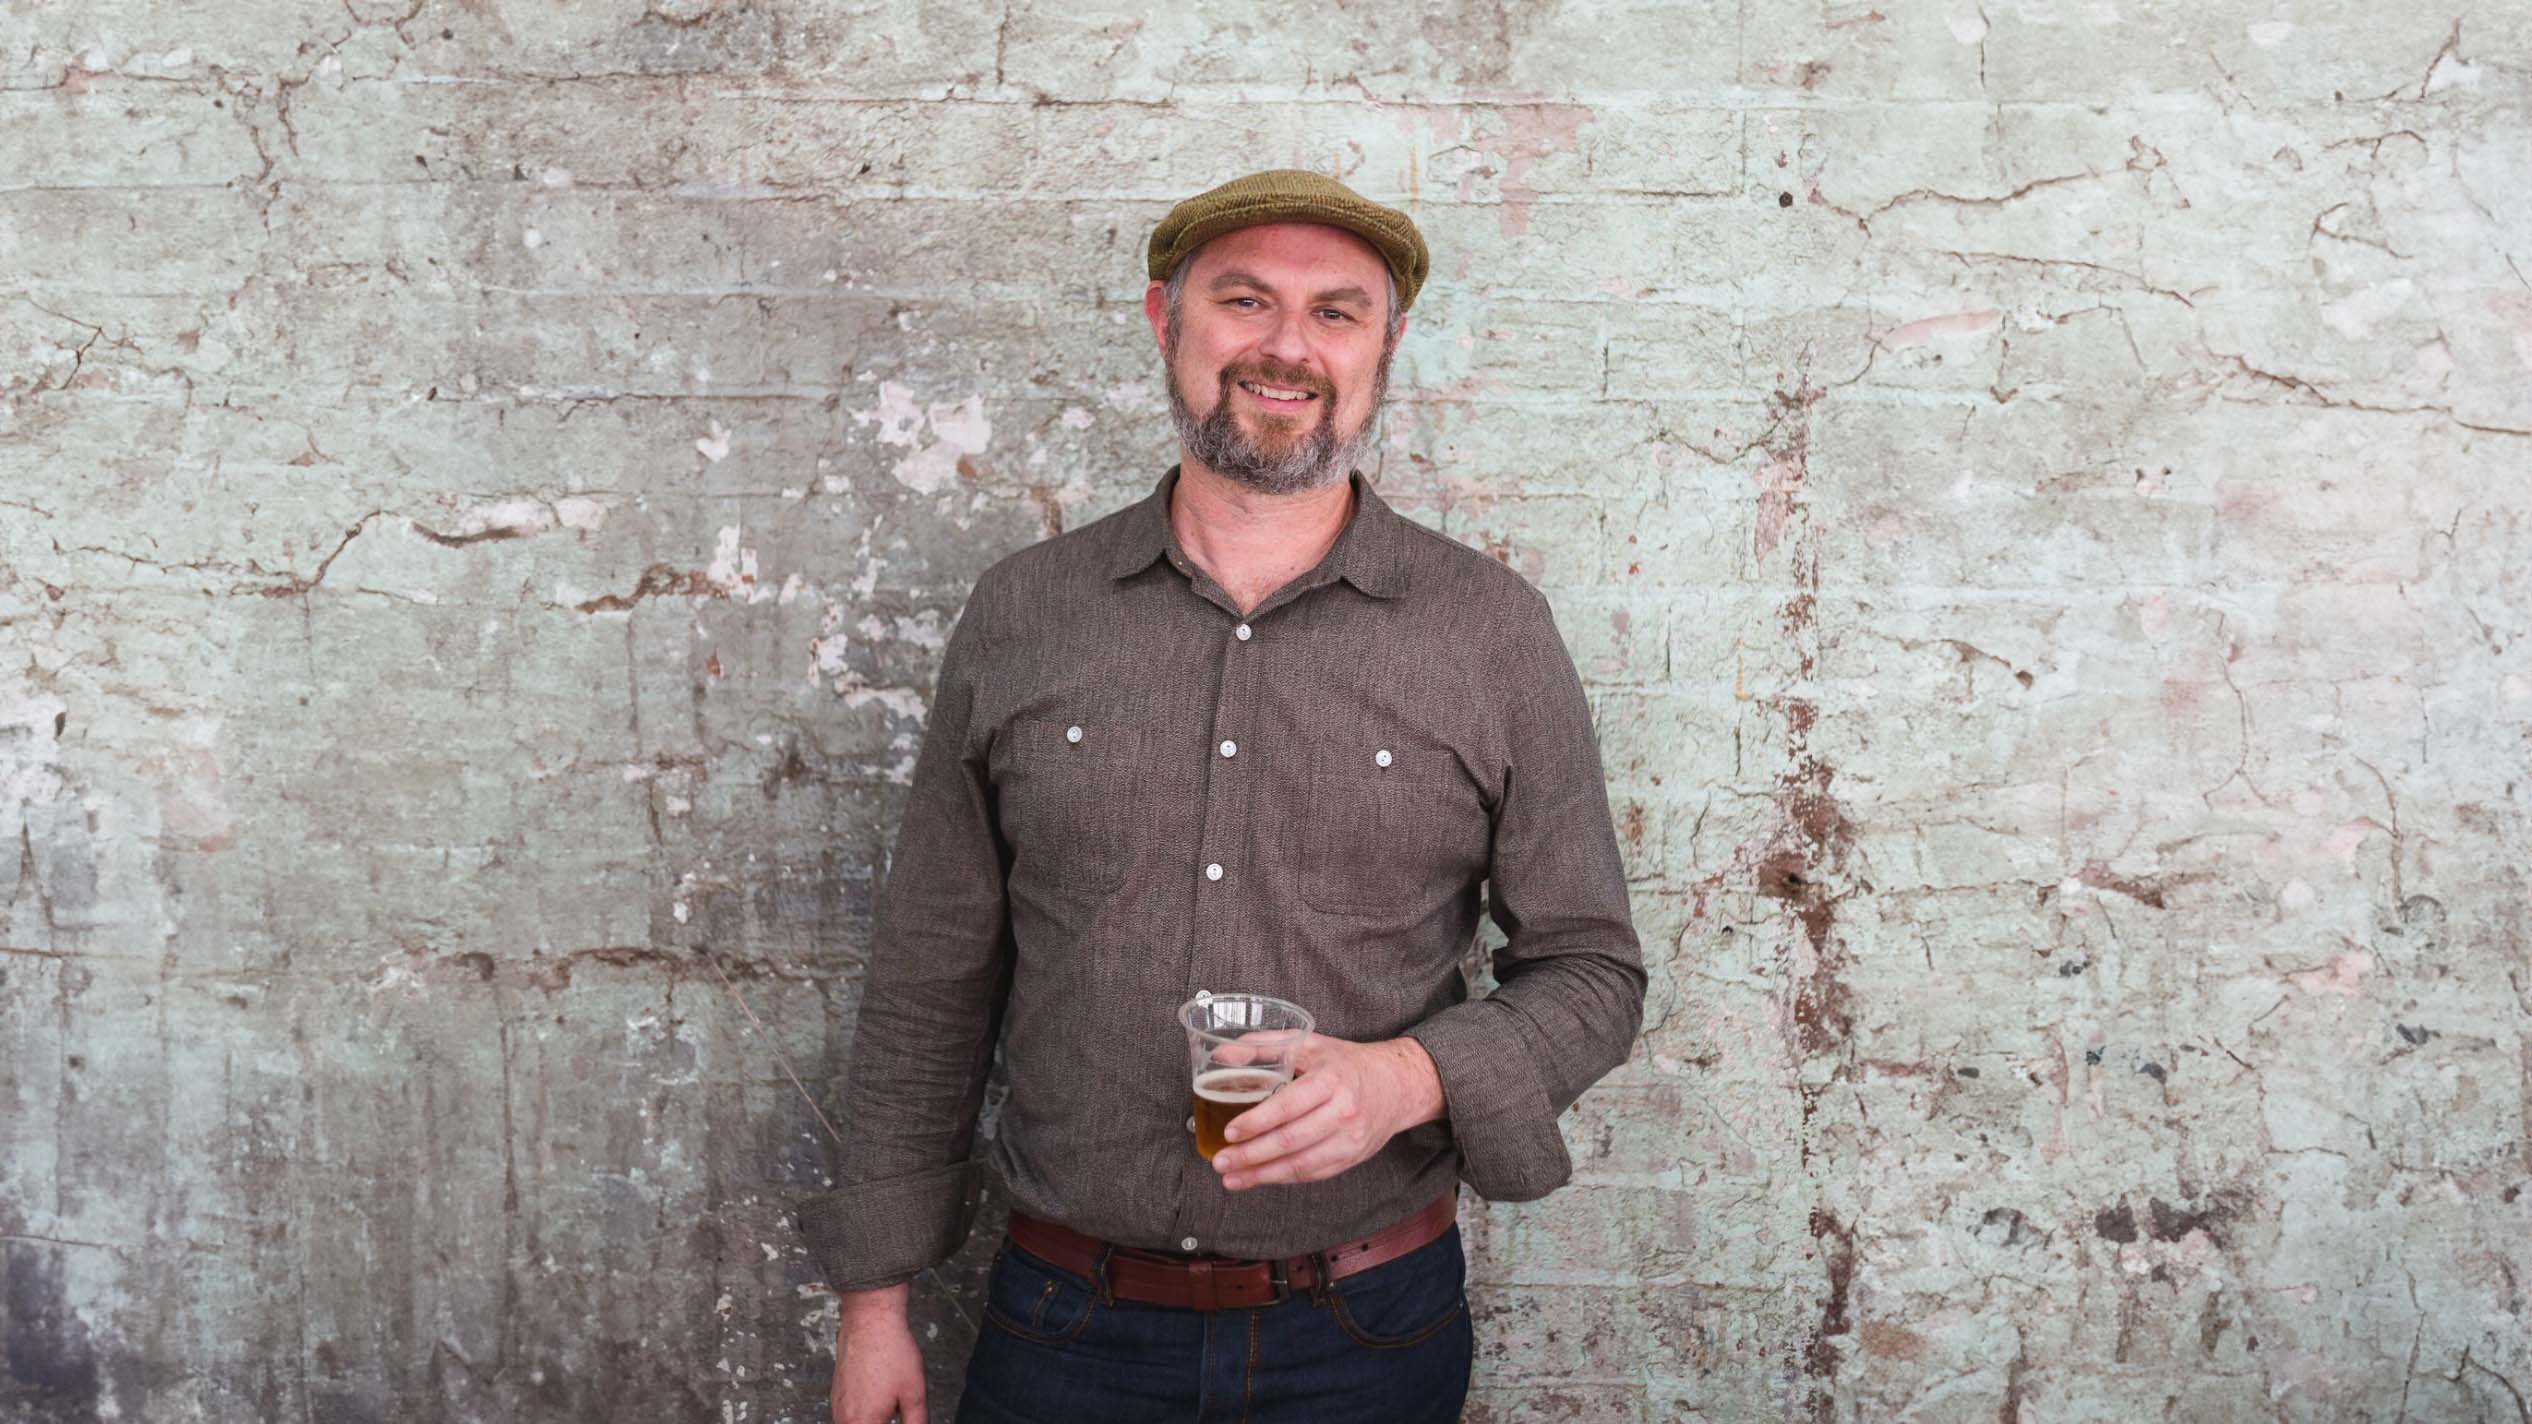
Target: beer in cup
{"x":1239,"y":1051}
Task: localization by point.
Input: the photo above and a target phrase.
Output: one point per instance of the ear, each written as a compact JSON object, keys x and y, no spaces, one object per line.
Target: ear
{"x":1156,"y":310}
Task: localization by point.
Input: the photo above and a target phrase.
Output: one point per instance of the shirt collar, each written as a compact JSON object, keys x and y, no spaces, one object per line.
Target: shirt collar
{"x":1366,"y":553}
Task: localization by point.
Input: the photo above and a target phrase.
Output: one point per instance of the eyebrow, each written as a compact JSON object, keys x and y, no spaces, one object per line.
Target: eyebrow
{"x":1237,"y":278}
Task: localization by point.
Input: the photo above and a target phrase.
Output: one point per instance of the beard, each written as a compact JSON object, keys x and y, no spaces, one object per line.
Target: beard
{"x":1292,"y":458}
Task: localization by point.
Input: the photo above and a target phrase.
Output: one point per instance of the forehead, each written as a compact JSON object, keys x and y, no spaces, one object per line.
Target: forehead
{"x":1302,"y":254}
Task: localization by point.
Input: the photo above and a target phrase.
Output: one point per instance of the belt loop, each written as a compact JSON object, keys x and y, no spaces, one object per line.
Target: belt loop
{"x":1099,"y":1276}
{"x":1318,"y":1277}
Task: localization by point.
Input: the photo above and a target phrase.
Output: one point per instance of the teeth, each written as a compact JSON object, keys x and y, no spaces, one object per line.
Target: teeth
{"x":1277,"y":393}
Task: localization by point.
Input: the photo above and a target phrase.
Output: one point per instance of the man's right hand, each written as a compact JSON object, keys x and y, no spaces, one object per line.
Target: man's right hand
{"x":878,"y":1368}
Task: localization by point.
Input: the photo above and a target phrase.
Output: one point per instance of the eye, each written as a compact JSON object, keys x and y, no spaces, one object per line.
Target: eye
{"x":1340,"y":316}
{"x":1235,"y":301}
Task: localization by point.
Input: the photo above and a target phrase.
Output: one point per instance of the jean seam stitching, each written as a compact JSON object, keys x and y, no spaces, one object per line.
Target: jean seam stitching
{"x":994,"y":1316}
{"x":1013,"y":1327}
{"x":1248,"y":1382}
{"x":1345,"y":1322}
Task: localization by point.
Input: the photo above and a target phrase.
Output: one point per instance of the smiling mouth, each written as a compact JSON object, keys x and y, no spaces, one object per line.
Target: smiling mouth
{"x":1278,"y":397}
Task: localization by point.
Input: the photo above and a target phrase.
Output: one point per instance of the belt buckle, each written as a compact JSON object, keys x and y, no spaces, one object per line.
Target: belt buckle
{"x":1204,"y":1288}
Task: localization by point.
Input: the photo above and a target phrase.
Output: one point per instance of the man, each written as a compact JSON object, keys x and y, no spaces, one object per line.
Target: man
{"x":1254,"y":733}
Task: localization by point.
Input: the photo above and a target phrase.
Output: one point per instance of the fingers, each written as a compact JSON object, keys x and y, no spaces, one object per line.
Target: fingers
{"x":1286,"y":1103}
{"x":1266,"y":1045}
{"x":878,"y":1369}
{"x":1287,"y":1138}
{"x":1312,"y":1128}
{"x":903,"y":1407}
{"x":1316,"y":1162}
{"x":1315,"y":1146}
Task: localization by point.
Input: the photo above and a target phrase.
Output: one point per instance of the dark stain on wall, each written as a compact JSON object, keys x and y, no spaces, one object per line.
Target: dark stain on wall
{"x":2010,"y":1412}
{"x":1820,"y":1358}
{"x":2170,"y":1223}
{"x":2117,"y":1224}
{"x":52,"y":1366}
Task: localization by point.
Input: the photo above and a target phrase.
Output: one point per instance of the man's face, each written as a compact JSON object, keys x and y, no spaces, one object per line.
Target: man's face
{"x":1278,"y":356}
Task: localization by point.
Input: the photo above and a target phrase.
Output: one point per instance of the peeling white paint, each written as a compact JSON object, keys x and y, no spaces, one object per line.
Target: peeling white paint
{"x":1133,"y":397}
{"x":24,"y":779}
{"x":827,"y":651}
{"x":959,"y":429}
{"x":714,"y":444}
{"x":899,"y":418}
{"x":827,"y":654}
{"x":733,"y":567}
{"x":903,"y":701}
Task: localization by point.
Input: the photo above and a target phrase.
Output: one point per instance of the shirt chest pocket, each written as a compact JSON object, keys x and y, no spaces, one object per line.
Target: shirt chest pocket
{"x":1069,"y":796}
{"x":1391,"y":830}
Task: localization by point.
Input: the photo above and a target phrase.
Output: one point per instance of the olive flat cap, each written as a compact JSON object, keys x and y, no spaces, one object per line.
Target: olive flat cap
{"x":1292,"y":195}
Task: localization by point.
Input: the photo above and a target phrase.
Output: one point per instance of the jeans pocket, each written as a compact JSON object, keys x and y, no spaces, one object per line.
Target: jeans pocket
{"x":1403,"y":1302}
{"x":1036,"y":1301}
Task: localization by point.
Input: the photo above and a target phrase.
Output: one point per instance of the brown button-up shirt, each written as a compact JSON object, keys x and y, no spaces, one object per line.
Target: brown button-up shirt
{"x":1128,"y":793}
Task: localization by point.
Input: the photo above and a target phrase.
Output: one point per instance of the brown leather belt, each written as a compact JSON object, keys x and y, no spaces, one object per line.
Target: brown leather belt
{"x":1219,"y":1282}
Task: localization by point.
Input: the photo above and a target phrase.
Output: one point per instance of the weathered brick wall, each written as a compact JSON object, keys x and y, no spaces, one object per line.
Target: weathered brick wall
{"x":2037,"y":491}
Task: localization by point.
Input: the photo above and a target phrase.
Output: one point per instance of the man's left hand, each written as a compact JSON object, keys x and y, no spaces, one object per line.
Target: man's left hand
{"x":1344,"y":1103}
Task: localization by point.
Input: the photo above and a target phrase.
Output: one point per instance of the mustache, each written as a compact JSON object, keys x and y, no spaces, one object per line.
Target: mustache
{"x":1281,"y":377}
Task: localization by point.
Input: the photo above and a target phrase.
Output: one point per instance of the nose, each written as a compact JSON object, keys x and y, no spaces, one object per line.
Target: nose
{"x":1287,"y":340}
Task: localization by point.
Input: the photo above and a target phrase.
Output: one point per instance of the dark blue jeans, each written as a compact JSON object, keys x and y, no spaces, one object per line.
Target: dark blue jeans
{"x":1390,"y":1345}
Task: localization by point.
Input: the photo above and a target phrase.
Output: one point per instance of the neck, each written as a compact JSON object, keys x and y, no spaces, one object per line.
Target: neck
{"x":1251,"y":543}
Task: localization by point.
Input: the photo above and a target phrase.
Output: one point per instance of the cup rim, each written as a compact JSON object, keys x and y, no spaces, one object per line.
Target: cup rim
{"x":1186,"y":1011}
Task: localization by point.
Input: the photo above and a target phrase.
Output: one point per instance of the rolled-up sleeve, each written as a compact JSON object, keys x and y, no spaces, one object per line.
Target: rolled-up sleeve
{"x":932,"y":998}
{"x":1570,"y":979}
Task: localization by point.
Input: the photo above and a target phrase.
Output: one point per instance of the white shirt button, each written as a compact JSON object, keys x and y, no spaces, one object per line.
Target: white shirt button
{"x":1230,"y":749}
{"x":1241,"y":632}
{"x":1213,"y":872}
{"x":1186,"y":1243}
{"x":1381,"y":756}
{"x":1073,"y":734}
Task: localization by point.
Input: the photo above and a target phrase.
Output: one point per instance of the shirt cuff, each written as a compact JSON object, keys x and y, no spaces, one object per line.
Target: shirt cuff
{"x":882,"y":1233}
{"x":1509,"y":1148}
